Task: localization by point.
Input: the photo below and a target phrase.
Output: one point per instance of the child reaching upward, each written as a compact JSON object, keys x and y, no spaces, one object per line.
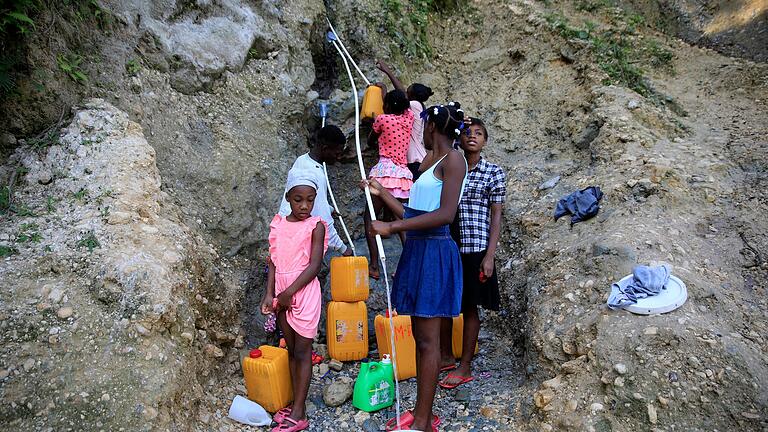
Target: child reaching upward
{"x":417,"y":94}
{"x":392,"y":130}
{"x":297,"y":243}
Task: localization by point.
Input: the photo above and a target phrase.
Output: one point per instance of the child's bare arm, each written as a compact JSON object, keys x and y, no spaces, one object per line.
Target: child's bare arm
{"x":388,"y":71}
{"x":493,"y":239}
{"x":389,"y":200}
{"x":269,"y":293}
{"x":309,"y":273}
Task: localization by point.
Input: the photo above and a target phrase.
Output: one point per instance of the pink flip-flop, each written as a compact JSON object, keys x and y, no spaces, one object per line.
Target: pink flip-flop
{"x":290,"y":425}
{"x":461,"y":380}
{"x":281,"y":414}
{"x":406,"y":420}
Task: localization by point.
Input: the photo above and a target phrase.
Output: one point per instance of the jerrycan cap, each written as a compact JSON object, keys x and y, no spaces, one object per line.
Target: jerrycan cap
{"x":254,"y":353}
{"x":385,"y":359}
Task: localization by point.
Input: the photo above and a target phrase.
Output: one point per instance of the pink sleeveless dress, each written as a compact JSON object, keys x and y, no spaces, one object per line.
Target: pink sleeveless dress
{"x":290,"y":248}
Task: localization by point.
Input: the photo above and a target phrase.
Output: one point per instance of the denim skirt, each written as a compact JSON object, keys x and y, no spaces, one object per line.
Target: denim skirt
{"x":429,"y":280}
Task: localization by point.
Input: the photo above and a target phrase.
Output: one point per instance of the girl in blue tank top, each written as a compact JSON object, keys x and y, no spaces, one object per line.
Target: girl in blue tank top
{"x":428,"y":281}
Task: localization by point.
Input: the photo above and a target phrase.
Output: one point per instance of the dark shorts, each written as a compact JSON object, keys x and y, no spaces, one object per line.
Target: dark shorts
{"x":476,"y":293}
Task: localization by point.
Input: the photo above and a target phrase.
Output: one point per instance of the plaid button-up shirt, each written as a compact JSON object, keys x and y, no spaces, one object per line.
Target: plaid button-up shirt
{"x":486,"y":185}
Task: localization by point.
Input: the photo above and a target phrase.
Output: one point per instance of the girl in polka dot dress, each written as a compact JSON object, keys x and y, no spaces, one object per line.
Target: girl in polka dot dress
{"x":392,"y":131}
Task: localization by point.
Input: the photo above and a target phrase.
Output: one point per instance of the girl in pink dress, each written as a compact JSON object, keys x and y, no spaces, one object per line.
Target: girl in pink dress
{"x":392,"y":132}
{"x":297,"y":243}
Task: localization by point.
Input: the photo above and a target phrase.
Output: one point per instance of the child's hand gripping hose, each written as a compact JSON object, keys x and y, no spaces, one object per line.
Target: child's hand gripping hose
{"x":333,"y":38}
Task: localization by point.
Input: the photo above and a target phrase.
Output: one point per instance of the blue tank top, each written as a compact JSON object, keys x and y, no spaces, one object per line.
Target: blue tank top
{"x":425,"y":192}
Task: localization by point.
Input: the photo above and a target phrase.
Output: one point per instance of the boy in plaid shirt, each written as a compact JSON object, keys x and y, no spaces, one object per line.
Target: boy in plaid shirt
{"x":477,"y":234}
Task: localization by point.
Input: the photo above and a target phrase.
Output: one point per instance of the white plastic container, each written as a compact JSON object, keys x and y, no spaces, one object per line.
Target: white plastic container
{"x":248,"y":412}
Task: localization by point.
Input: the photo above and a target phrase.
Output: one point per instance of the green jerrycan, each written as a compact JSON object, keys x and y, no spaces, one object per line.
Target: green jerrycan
{"x":375,"y":386}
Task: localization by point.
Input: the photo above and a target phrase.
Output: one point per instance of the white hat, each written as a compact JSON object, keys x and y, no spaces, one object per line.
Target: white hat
{"x":296,"y":178}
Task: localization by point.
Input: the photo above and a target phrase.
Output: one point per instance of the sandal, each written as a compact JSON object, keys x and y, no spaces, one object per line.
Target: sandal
{"x":290,"y":425}
{"x":406,"y":420}
{"x":448,"y":368}
{"x":462,"y":380}
{"x":281,"y":414}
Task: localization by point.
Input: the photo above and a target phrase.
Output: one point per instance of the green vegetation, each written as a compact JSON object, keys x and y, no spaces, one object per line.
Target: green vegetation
{"x":29,"y":234}
{"x":6,"y":251}
{"x":50,"y":204}
{"x":6,"y":206}
{"x":617,"y":53}
{"x":132,"y":67}
{"x":405,"y":23}
{"x":81,"y":195}
{"x":23,"y":20}
{"x":46,"y":139}
{"x":70,"y":64}
{"x":89,"y":241}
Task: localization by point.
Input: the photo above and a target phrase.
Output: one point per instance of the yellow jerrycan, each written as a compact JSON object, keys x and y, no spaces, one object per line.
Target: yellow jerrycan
{"x":373,"y":102}
{"x":458,"y":337}
{"x":349,"y":279}
{"x":268,"y":377}
{"x":405,"y":345}
{"x":347,"y":330}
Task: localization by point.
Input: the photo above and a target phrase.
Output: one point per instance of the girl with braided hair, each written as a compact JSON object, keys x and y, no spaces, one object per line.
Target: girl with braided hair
{"x":428,"y":281}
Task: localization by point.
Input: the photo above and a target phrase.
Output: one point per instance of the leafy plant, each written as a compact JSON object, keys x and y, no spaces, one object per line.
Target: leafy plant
{"x":6,"y":251}
{"x":81,"y":195}
{"x":70,"y":64}
{"x":5,"y":199}
{"x":90,"y":241}
{"x":14,"y":15}
{"x":45,"y":140}
{"x":132,"y":67}
{"x":660,"y":57}
{"x":29,"y":234}
{"x":50,"y":204}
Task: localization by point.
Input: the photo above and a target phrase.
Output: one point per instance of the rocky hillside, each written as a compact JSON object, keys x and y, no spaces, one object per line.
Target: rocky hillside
{"x":132,"y":225}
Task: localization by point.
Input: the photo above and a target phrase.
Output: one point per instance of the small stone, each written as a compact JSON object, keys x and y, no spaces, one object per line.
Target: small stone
{"x":239,"y":342}
{"x":549,"y":184}
{"x":462,"y":395}
{"x":213,"y":351}
{"x":140,"y":329}
{"x":572,"y":405}
{"x":637,"y":396}
{"x":596,"y":407}
{"x":335,"y":365}
{"x":652,"y":414}
{"x":29,"y":364}
{"x":188,"y":336}
{"x":650,"y":331}
{"x":64,"y":312}
{"x":546,"y":427}
{"x":323,"y":369}
{"x":361,"y":417}
{"x":663,"y":401}
{"x":105,"y":397}
{"x":633,"y":104}
{"x":4,"y":374}
{"x":371,"y":425}
{"x":751,"y":415}
{"x":553,"y":383}
{"x":56,"y":295}
{"x":312,"y":95}
{"x":694,"y":362}
{"x":618,"y":382}
{"x":542,"y":398}
{"x":620,"y":368}
{"x":149,"y":413}
{"x":337,"y":392}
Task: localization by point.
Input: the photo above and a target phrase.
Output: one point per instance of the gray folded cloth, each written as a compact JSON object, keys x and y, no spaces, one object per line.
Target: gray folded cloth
{"x":645,"y":282}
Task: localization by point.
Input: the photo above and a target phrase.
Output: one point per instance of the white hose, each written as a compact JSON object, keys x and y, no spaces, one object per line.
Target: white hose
{"x":379,"y":244}
{"x":336,"y":207}
{"x":338,"y":39}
